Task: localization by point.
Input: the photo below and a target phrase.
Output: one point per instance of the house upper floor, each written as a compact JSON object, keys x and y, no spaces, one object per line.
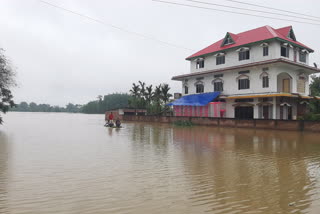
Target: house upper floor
{"x":257,"y":45}
{"x":265,"y":78}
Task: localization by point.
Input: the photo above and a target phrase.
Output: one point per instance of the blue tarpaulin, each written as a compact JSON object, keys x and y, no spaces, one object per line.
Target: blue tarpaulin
{"x":195,"y":99}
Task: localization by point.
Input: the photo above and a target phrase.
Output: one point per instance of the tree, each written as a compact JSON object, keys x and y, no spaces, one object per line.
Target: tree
{"x":315,"y":91}
{"x":33,"y":107}
{"x":23,"y":106}
{"x":148,"y":94}
{"x":135,"y":93}
{"x":165,"y":95}
{"x":6,"y":82}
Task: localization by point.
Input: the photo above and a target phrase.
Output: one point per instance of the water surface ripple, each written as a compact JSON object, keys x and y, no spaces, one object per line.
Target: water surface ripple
{"x":70,"y":164}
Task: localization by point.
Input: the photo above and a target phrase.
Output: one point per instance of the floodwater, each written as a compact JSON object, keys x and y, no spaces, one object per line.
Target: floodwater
{"x":71,"y":164}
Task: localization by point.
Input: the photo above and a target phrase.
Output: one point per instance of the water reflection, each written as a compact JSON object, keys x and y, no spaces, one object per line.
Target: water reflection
{"x":249,"y":170}
{"x":4,"y":156}
{"x":75,"y":165}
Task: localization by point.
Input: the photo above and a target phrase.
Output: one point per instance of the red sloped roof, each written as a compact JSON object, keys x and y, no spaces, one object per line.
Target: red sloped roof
{"x":247,"y":37}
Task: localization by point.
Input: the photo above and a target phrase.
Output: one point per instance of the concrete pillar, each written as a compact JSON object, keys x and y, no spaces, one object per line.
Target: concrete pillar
{"x":256,"y":109}
{"x":274,"y":107}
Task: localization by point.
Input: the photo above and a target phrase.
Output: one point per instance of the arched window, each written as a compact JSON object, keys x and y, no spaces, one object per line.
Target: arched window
{"x":285,"y":47}
{"x":265,"y":49}
{"x":265,"y":79}
{"x":301,"y":83}
{"x":186,"y":89}
{"x":243,"y":82}
{"x":217,"y":84}
{"x":199,"y":87}
{"x":244,"y":53}
{"x":220,"y":58}
{"x":199,"y":63}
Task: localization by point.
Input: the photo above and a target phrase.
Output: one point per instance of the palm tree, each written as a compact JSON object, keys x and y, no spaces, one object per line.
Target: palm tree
{"x":135,"y":93}
{"x":157,"y":99}
{"x":142,"y":89}
{"x":165,"y":95}
{"x":148,"y":94}
{"x":142,"y":100}
{"x":135,"y":90}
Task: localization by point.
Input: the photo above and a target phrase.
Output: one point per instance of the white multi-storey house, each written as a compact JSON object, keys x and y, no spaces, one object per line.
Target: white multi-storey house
{"x":261,"y":73}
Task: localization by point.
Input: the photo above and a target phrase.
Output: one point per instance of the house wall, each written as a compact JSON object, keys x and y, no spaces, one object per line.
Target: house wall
{"x":230,"y":83}
{"x":291,"y":125}
{"x":256,"y":55}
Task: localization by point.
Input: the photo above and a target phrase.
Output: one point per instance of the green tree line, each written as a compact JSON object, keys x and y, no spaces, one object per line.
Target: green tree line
{"x":102,"y":104}
{"x":105,"y":103}
{"x":33,"y":107}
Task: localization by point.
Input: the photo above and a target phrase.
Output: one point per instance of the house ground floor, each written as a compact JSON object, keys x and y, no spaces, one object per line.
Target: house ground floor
{"x":277,"y":106}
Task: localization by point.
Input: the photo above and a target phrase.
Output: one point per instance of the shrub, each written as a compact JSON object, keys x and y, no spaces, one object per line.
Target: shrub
{"x":183,"y":123}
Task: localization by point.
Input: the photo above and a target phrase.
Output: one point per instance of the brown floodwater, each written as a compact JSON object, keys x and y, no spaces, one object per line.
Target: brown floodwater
{"x":71,"y":164}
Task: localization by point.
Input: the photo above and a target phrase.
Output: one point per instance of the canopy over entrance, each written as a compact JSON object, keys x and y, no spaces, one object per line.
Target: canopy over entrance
{"x":195,"y":99}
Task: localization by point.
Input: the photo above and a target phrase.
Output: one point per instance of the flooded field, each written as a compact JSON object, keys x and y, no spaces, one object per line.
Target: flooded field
{"x":70,"y":164}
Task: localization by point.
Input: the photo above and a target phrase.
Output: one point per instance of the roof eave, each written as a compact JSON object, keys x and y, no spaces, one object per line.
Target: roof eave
{"x":278,"y":60}
{"x":275,"y":38}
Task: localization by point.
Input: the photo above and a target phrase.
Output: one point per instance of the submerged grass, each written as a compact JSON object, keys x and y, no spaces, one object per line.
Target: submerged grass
{"x":183,"y":123}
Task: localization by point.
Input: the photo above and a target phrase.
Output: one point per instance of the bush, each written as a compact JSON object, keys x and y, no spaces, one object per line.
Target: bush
{"x":311,"y":117}
{"x":183,"y":123}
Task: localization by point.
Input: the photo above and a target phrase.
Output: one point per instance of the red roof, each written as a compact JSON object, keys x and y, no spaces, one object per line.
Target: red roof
{"x":247,"y":37}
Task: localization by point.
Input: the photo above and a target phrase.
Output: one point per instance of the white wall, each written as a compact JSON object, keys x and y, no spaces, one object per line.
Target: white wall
{"x":230,"y":84}
{"x":256,"y":55}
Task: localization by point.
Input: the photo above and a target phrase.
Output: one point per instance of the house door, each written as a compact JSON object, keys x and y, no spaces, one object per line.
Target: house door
{"x":286,"y":112}
{"x":301,"y":110}
{"x":265,"y":112}
{"x":286,"y":85}
{"x":289,"y":113}
{"x":244,"y":112}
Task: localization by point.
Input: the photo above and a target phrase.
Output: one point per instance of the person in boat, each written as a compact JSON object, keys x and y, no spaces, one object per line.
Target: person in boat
{"x":118,"y":123}
{"x":106,"y":118}
{"x":110,"y":118}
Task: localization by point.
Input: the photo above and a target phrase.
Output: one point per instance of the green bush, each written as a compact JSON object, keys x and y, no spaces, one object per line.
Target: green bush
{"x":183,"y":123}
{"x":311,"y":117}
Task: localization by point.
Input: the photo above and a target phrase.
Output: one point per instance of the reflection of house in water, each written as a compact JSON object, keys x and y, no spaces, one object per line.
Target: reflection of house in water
{"x":249,"y":170}
{"x":261,"y":73}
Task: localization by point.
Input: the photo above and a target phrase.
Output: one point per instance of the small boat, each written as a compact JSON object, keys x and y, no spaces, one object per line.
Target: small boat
{"x":112,"y":126}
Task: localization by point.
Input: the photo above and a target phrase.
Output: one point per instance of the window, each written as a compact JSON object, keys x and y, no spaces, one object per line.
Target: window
{"x":228,"y":40}
{"x":265,"y":82}
{"x":244,"y":84}
{"x":186,"y":90}
{"x":218,"y":86}
{"x":285,"y":51}
{"x":200,"y":63}
{"x":220,"y":60}
{"x":244,"y":55}
{"x":243,"y":72}
{"x":301,"y":88}
{"x":302,"y":57}
{"x":266,"y":99}
{"x":218,"y":75}
{"x":291,"y":35}
{"x":265,"y":51}
{"x":199,"y":88}
{"x":247,"y":100}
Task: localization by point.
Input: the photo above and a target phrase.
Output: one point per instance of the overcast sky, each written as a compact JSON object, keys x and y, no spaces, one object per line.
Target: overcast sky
{"x":61,"y":57}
